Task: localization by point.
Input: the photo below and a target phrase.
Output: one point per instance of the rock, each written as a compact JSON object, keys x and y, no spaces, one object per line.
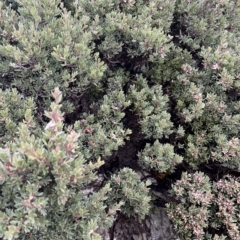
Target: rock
{"x":154,"y":227}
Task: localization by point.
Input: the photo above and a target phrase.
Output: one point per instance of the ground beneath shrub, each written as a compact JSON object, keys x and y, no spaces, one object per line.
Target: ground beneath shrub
{"x":155,"y":227}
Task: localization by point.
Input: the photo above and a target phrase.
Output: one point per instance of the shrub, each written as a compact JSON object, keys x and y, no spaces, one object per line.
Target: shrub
{"x":204,"y":207}
{"x":46,"y":186}
{"x":149,"y":87}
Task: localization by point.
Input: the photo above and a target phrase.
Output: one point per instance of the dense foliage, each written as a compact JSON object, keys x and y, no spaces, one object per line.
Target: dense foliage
{"x":98,"y":95}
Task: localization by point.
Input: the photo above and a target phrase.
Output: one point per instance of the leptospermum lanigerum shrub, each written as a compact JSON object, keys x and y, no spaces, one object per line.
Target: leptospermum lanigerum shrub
{"x":97,"y":94}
